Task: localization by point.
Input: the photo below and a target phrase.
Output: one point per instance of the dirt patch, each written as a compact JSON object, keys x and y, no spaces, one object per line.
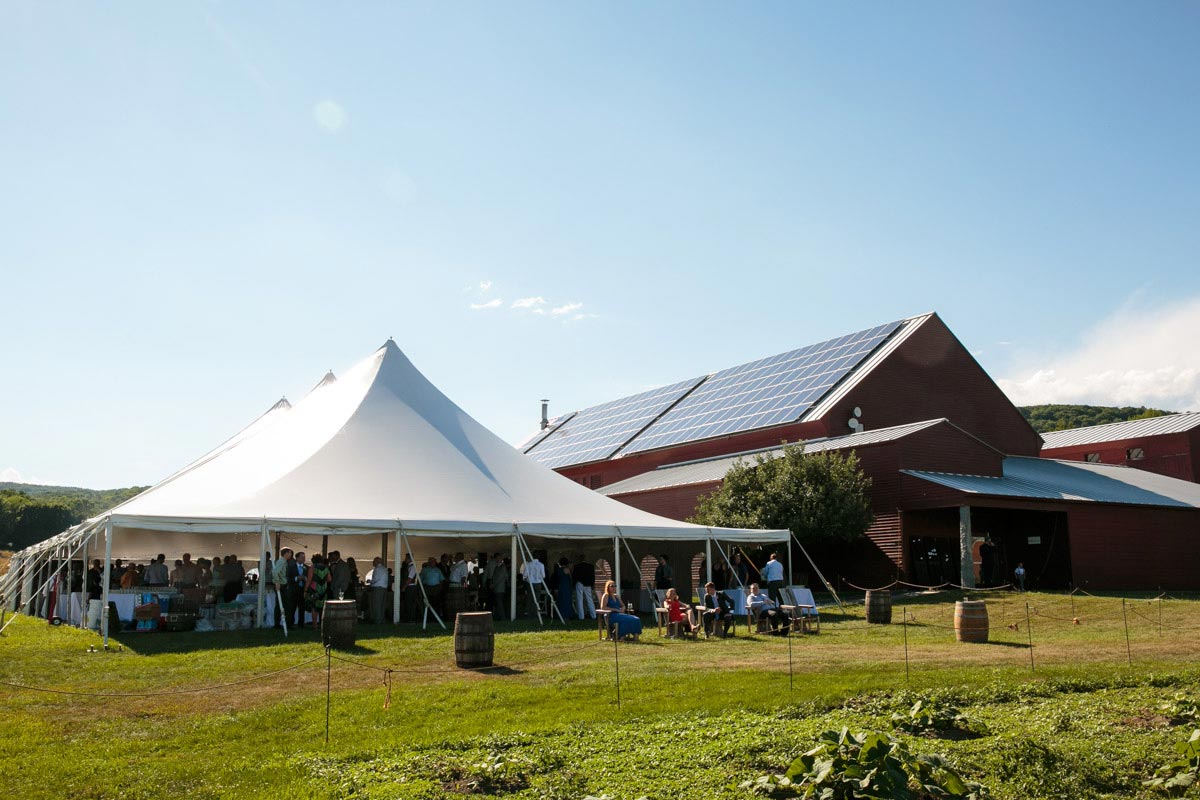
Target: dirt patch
{"x":1145,"y":720}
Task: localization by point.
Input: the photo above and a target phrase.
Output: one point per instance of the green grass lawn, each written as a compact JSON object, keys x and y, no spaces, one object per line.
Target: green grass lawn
{"x":695,"y":719}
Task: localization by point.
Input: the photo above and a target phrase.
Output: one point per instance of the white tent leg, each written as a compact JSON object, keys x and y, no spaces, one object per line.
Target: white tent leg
{"x":108,"y":537}
{"x":83,"y":601}
{"x":617,"y":565}
{"x":512,"y":582}
{"x":429,"y":609}
{"x":398,"y":582}
{"x":553,"y":604}
{"x":263,"y":565}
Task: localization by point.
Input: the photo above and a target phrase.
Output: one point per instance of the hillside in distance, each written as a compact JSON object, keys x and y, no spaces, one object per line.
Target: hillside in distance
{"x":1061,"y":417}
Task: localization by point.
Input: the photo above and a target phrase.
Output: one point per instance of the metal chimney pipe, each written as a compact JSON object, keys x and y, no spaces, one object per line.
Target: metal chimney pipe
{"x":545,"y":410}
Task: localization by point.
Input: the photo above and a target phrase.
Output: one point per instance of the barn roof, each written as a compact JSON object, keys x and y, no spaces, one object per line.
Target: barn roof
{"x":1118,"y":431}
{"x":707,"y":470}
{"x":796,"y":386}
{"x":1051,"y":479}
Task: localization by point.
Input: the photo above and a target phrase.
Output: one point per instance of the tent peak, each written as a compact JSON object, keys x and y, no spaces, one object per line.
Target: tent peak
{"x":280,"y":403}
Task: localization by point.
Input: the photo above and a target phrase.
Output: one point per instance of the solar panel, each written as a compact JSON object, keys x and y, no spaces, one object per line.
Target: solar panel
{"x":596,"y":433}
{"x":536,"y":439}
{"x":770,"y":391}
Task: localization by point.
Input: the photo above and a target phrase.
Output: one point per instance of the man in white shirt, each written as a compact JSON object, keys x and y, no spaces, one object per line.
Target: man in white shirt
{"x":156,"y":572}
{"x":458,"y":572}
{"x":772,"y":575}
{"x":378,"y":580}
{"x":535,"y":576}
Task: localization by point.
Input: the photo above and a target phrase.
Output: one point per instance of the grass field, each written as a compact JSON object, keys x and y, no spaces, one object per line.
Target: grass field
{"x":695,"y":718}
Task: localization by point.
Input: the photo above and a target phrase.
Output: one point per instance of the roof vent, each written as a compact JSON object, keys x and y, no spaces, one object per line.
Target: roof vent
{"x":545,"y":411}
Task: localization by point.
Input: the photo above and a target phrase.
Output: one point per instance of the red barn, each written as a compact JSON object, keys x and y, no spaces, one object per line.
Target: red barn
{"x":1168,"y":445}
{"x":958,"y":492}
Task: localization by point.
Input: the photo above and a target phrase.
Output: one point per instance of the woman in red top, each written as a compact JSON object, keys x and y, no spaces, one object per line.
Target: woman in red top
{"x":679,"y":618}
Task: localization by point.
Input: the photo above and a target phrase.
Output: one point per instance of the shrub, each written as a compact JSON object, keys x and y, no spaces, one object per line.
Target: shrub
{"x":1177,"y":777}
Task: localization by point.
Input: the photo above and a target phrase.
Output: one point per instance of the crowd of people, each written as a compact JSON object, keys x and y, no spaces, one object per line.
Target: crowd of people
{"x":223,"y":576}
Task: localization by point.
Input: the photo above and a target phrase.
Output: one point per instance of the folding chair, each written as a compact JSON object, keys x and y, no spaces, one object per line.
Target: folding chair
{"x":660,"y":611}
{"x":602,"y":614}
{"x":806,"y":605}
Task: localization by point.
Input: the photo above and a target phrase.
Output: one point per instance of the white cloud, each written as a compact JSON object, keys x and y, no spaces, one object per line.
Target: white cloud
{"x":529,"y":302}
{"x":485,"y":286}
{"x":330,"y":116}
{"x":489,"y":304}
{"x":13,"y":475}
{"x":1140,"y":356}
{"x":567,"y":308}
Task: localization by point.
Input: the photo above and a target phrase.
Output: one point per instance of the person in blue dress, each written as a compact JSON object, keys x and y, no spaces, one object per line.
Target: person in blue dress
{"x":625,"y":624}
{"x":564,"y":588}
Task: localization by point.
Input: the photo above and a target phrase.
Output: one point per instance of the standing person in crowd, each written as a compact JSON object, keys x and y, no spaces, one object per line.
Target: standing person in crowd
{"x":408,"y":589}
{"x":664,"y":576}
{"x":215,"y":579}
{"x":379,"y":586}
{"x":773,"y":576}
{"x":235,"y":578}
{"x":352,"y":586}
{"x":432,"y":581}
{"x":302,"y":587}
{"x":534,"y":572}
{"x":174,"y":576}
{"x":489,"y":569}
{"x":763,"y":607}
{"x":156,"y":573}
{"x":284,"y":572}
{"x":501,"y":576}
{"x":458,"y":571}
{"x":584,"y":577}
{"x":717,"y":608}
{"x":129,"y":578}
{"x":720,"y":576}
{"x":189,"y":572}
{"x":741,"y":573}
{"x":317,"y":589}
{"x":564,"y":587}
{"x":444,"y":565}
{"x":115,"y":574}
{"x":1019,"y":576}
{"x":95,"y":580}
{"x":339,"y":575}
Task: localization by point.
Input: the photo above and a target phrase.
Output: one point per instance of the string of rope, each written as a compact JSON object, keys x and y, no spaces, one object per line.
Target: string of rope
{"x":455,"y":670}
{"x":863,"y":589}
{"x":1166,"y":625}
{"x":193,"y":690}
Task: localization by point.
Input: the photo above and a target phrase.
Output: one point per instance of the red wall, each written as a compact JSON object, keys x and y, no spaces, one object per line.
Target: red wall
{"x":932,"y":375}
{"x":1168,"y":454}
{"x":1116,"y":547}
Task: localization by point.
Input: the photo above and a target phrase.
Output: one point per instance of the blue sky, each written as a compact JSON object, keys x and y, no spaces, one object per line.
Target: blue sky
{"x":210,"y":204}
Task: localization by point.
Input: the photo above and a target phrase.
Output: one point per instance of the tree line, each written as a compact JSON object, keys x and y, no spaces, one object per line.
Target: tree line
{"x":1048,"y":418}
{"x":29,"y":514}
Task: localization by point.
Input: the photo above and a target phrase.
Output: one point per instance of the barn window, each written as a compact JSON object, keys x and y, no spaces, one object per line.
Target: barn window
{"x":1092,"y":458}
{"x":1135,"y":454}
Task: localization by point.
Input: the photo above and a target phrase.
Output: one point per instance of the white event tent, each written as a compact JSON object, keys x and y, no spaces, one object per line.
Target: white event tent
{"x":378,"y":456}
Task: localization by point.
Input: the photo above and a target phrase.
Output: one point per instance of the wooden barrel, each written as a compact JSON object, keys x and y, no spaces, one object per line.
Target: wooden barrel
{"x":970,"y":621}
{"x":879,"y":606}
{"x":339,"y":623}
{"x":474,"y":640}
{"x":456,"y":600}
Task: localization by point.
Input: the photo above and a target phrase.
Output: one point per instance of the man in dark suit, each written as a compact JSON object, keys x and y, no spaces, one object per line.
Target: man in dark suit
{"x":717,"y":608}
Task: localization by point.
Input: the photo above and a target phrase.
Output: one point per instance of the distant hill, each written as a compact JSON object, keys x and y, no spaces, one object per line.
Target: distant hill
{"x":30,"y":513}
{"x":1061,"y":417}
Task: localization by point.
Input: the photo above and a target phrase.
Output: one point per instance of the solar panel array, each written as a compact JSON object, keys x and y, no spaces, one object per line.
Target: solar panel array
{"x":596,"y":433}
{"x":771,"y":391}
{"x":550,"y":428}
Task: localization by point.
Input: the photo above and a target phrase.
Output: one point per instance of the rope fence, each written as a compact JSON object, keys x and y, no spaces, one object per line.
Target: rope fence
{"x":1007,"y":618}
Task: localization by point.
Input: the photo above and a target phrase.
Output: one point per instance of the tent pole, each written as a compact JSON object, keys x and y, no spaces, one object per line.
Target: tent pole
{"x":707,"y":561}
{"x":526,"y":557}
{"x":264,"y":541}
{"x":108,"y":537}
{"x":545,"y":588}
{"x":398,"y":579}
{"x":617,"y":565}
{"x":429,"y":609}
{"x":817,"y":569}
{"x":512,"y":580}
{"x":83,"y":586}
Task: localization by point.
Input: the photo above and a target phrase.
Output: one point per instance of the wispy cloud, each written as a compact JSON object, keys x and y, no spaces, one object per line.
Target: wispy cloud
{"x":13,"y":475}
{"x":567,"y":308}
{"x":529,"y":302}
{"x":1138,"y":356}
{"x":485,"y":286}
{"x":496,"y":303}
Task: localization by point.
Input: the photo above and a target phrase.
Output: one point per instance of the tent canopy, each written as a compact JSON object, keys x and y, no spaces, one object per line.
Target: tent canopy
{"x":382,"y":449}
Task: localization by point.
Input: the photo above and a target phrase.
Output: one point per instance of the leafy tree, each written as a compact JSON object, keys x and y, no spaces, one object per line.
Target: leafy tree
{"x":818,"y":496}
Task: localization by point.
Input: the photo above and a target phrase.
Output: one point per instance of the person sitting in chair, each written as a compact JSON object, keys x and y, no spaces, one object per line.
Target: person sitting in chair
{"x":679,"y":619}
{"x":620,"y":623}
{"x":717,"y":608}
{"x":762,"y":607}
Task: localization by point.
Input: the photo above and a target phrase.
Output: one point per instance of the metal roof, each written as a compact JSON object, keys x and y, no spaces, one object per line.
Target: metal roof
{"x":1117,"y":431}
{"x":1050,"y":479}
{"x":708,"y":470}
